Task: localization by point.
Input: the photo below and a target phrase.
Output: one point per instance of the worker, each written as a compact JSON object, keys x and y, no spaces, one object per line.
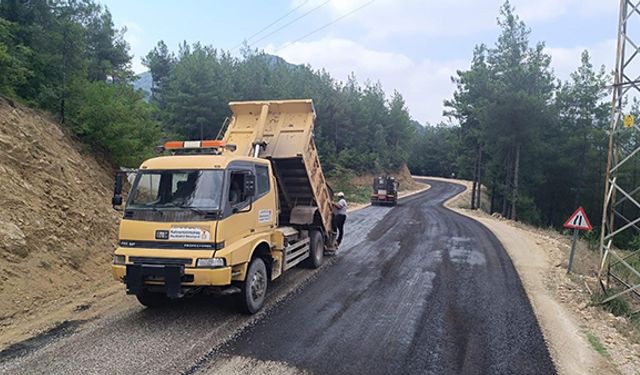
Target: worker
{"x":234,"y":193}
{"x":339,"y":216}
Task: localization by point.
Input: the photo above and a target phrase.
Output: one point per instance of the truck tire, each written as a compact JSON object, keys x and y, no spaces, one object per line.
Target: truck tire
{"x":151,"y":299}
{"x":316,"y":251}
{"x":254,"y":287}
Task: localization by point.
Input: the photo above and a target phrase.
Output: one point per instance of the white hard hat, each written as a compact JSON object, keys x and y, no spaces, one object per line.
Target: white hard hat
{"x":340,"y":194}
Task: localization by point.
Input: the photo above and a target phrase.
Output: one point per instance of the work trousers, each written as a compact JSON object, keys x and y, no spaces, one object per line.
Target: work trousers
{"x":338,"y":225}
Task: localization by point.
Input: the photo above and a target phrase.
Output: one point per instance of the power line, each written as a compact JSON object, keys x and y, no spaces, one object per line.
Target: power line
{"x":293,"y":21}
{"x":272,"y":23}
{"x":331,"y":23}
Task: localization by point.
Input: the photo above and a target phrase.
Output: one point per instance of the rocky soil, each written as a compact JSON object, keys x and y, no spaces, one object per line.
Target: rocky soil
{"x":57,"y":229}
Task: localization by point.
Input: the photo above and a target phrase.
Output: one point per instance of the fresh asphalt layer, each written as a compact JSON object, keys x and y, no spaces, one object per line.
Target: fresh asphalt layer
{"x":414,"y":289}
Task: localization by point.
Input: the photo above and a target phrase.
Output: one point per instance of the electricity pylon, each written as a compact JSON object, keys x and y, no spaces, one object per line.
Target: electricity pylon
{"x":619,"y":269}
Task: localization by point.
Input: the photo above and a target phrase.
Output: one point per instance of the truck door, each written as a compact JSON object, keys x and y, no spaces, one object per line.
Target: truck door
{"x":265,"y":199}
{"x":239,"y":216}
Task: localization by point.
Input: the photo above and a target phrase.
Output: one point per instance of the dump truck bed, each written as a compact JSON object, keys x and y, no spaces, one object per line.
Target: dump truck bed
{"x":285,"y":129}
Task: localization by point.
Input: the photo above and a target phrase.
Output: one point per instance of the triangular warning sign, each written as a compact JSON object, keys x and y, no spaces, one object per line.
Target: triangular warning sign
{"x":578,"y":220}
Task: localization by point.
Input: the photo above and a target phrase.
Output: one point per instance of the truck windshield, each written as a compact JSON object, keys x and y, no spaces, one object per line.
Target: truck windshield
{"x":186,"y":189}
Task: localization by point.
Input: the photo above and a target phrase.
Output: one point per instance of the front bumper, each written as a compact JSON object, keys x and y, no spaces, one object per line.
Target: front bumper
{"x":136,"y":276}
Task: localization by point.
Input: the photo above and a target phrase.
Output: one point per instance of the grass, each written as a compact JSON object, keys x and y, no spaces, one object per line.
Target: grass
{"x":597,"y":345}
{"x":617,"y":306}
{"x":343,"y":181}
{"x":359,"y":194}
{"x":353,"y":193}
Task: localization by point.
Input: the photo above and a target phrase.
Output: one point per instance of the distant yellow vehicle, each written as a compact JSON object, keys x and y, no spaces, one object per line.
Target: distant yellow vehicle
{"x":227,"y":216}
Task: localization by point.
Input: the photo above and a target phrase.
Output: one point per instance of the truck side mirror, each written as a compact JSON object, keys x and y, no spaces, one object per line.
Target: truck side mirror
{"x":117,"y":186}
{"x":116,"y":200}
{"x":117,"y":191}
{"x":249,"y":185}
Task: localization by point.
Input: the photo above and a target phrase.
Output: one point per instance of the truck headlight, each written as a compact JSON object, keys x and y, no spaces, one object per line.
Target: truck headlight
{"x":211,"y":263}
{"x":119,"y":260}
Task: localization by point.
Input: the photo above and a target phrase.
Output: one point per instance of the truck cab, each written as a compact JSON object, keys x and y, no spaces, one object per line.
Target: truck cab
{"x":223,"y":218}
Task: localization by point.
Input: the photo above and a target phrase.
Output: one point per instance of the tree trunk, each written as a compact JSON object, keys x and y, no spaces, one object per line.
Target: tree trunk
{"x":473,"y":193}
{"x":583,"y":165}
{"x":505,"y":205}
{"x":506,"y":188}
{"x":492,"y":205}
{"x":474,"y":187}
{"x":516,"y":171}
{"x":505,"y":201}
{"x":479,"y":194}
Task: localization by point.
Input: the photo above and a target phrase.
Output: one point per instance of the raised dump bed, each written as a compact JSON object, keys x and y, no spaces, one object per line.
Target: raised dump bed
{"x":283,"y":130}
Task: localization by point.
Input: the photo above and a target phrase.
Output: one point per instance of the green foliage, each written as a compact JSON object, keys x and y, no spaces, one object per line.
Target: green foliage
{"x":434,"y":150}
{"x":342,"y":180}
{"x":597,"y":345}
{"x":617,"y":306}
{"x":357,"y":127}
{"x":159,"y":61}
{"x":13,"y":60}
{"x":193,"y":103}
{"x":540,"y":144}
{"x":634,"y":244}
{"x":107,"y":51}
{"x":67,"y":57}
{"x":113,"y":119}
{"x":592,"y":238}
{"x":59,"y":56}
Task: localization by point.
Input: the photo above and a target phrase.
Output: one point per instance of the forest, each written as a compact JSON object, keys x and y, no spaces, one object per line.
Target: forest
{"x":357,"y":127}
{"x":538,"y":144}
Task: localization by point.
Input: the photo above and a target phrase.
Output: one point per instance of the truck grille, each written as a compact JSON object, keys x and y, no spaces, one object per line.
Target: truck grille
{"x":161,"y":261}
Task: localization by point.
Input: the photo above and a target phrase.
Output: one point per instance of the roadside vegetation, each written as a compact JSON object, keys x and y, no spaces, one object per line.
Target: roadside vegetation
{"x":597,"y":346}
{"x":67,"y":58}
{"x":358,"y":129}
{"x":538,"y":144}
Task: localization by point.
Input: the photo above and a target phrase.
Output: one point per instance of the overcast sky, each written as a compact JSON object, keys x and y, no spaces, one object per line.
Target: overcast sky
{"x":414,"y":46}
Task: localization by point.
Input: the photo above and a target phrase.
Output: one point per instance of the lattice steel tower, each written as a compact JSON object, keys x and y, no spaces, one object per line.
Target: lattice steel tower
{"x":619,"y":274}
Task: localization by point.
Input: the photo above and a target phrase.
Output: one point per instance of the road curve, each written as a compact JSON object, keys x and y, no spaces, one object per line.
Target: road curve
{"x":415,"y":289}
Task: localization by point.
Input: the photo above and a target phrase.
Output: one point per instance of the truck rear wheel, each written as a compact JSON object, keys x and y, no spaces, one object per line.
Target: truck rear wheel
{"x":151,"y":299}
{"x":316,"y":251}
{"x":254,"y":287}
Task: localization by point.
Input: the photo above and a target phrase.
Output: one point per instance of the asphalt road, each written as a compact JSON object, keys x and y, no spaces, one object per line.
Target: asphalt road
{"x":415,"y":289}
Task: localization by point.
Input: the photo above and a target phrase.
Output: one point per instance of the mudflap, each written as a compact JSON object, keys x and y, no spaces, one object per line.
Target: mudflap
{"x":137,"y":274}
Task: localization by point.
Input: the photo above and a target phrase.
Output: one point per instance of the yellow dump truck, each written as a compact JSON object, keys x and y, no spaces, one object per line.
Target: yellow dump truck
{"x":227,"y":216}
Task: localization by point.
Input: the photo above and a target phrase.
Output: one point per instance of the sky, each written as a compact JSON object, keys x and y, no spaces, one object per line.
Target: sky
{"x":412,"y":46}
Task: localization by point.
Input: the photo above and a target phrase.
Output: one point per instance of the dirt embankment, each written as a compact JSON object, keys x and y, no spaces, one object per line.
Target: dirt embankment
{"x":582,"y":338}
{"x":57,"y":228}
{"x":407,"y":186}
{"x":358,"y":188}
{"x":402,"y":175}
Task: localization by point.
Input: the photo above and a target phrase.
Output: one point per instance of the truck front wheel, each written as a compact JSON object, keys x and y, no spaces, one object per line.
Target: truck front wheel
{"x":254,"y":287}
{"x":316,"y":251}
{"x":151,"y":299}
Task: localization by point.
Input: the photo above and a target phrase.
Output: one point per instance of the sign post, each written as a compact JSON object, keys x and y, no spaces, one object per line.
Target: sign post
{"x":577,"y":221}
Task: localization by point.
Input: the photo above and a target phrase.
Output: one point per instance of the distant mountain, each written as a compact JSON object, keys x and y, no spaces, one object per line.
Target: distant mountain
{"x":143,"y":81}
{"x":418,"y":126}
{"x":274,"y":60}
